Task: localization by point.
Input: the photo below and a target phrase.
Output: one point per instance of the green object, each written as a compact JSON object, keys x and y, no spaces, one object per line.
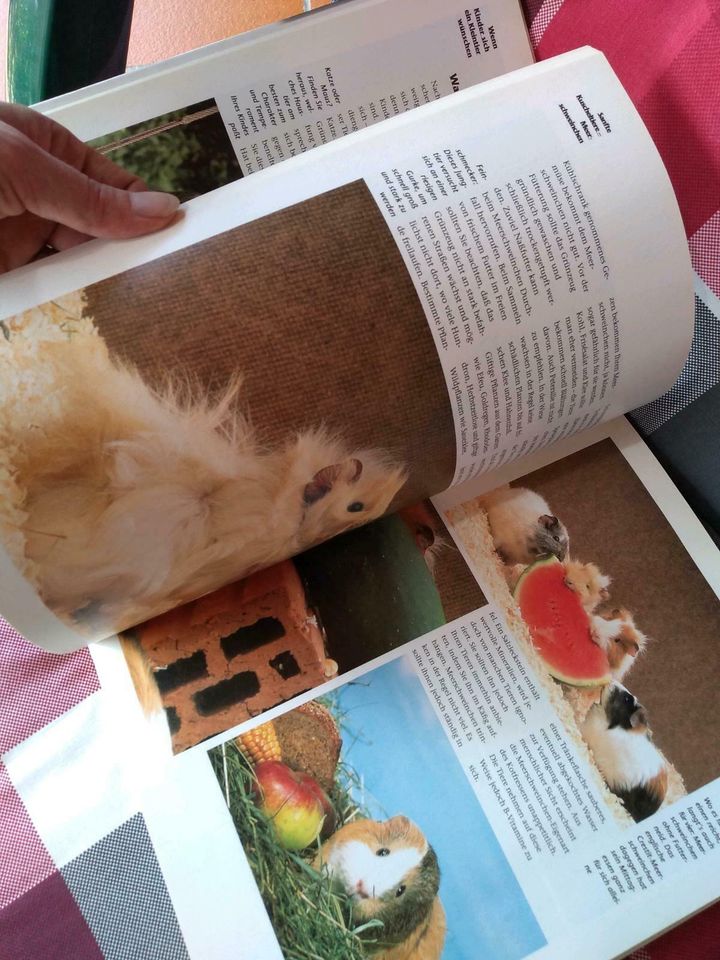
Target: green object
{"x":55,"y":46}
{"x":371,"y":589}
{"x":186,"y":152}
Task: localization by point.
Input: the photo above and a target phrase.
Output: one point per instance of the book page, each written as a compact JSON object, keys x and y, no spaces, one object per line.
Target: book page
{"x":460,"y":752}
{"x":211,"y":117}
{"x":202,"y":410}
{"x":519,"y":242}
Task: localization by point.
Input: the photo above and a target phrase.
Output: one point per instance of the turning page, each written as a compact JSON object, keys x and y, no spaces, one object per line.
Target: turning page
{"x":420,"y":303}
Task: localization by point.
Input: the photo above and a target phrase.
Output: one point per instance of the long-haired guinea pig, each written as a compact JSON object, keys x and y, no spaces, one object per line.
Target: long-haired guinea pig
{"x":391,"y":874}
{"x":586,"y":580}
{"x":621,"y":640}
{"x":616,"y":730}
{"x":523,"y":527}
{"x":138,"y":500}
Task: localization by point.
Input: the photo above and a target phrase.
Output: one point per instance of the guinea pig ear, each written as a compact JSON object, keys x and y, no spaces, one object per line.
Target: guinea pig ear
{"x":638,"y":719}
{"x":324,"y":480}
{"x":399,"y":822}
{"x":321,"y":484}
{"x":424,"y":536}
{"x":629,"y":642}
{"x":353,"y":469}
{"x":548,"y":521}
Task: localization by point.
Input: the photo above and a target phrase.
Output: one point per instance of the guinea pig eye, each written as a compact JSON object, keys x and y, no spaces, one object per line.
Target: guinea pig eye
{"x":356,"y":506}
{"x":556,"y":538}
{"x":400,"y":890}
{"x":382,"y":852}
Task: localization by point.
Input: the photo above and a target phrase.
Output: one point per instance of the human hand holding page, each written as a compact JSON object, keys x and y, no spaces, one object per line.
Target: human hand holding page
{"x":497,"y":230}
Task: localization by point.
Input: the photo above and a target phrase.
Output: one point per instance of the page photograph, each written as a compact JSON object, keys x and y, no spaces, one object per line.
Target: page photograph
{"x":406,"y":863}
{"x":181,"y":424}
{"x":598,"y":584}
{"x":185,"y":152}
{"x":228,"y":657}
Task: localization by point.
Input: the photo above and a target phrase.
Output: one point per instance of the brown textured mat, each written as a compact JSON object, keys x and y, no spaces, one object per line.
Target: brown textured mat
{"x":314,"y":306}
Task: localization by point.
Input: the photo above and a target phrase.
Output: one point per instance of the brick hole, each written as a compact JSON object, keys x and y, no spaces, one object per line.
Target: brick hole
{"x":247,"y":639}
{"x":173,"y":720}
{"x":180,"y":672}
{"x":285,"y":664}
{"x":226,"y":693}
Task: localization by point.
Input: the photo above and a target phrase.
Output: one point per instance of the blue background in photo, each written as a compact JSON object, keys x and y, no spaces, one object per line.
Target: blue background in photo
{"x":394,"y":742}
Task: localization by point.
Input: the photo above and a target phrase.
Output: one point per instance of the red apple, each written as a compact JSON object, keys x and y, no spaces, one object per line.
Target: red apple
{"x":328,"y":810}
{"x":295,"y":803}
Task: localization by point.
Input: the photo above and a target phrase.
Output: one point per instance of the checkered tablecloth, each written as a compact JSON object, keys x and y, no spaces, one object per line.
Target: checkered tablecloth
{"x":67,"y":895}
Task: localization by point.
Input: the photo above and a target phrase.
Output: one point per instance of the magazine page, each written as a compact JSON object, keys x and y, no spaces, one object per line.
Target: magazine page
{"x":505,"y":785}
{"x":457,"y":295}
{"x":205,"y":119}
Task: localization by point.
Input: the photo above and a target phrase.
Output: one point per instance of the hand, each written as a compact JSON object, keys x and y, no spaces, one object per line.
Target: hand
{"x":56,"y":191}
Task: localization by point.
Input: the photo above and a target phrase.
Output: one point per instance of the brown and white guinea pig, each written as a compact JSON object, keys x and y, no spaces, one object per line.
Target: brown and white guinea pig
{"x":616,"y":730}
{"x":427,"y":530}
{"x":138,"y":500}
{"x":523,"y":526}
{"x":391,"y":874}
{"x":621,"y":640}
{"x":586,"y":580}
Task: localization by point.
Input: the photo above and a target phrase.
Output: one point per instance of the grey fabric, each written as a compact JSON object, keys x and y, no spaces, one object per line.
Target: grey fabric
{"x":700,"y":374}
{"x":688,"y":446}
{"x":120,"y":890}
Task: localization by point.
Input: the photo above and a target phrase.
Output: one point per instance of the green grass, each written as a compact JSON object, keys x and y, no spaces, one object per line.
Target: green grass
{"x":311,"y":920}
{"x":188,"y":161}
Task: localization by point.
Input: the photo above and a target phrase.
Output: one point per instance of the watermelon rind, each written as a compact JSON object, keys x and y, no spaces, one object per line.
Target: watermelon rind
{"x":574,"y":679}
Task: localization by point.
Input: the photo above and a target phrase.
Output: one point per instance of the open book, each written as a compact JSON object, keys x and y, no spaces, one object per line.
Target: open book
{"x":438,"y":726}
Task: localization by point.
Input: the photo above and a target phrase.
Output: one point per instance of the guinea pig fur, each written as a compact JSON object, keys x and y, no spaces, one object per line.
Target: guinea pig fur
{"x":523,"y":526}
{"x":138,"y":500}
{"x":617,"y":733}
{"x":390,"y":873}
{"x":621,"y":640}
{"x":586,"y":580}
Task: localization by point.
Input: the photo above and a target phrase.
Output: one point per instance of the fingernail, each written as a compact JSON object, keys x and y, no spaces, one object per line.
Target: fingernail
{"x":148,"y":203}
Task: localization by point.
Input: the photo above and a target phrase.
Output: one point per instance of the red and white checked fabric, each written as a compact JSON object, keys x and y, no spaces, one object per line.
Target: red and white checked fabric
{"x":705,"y":251}
{"x":24,"y":861}
{"x":696,"y":939}
{"x":36,"y":687}
{"x":540,"y":22}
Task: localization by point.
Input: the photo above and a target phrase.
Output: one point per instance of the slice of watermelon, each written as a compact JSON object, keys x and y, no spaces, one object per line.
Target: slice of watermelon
{"x":559,"y":625}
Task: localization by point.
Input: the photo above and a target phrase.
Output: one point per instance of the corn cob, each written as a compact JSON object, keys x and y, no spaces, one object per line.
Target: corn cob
{"x":260,"y":744}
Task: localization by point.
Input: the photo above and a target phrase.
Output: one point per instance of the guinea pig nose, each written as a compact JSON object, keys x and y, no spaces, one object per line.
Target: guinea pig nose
{"x":360,"y":890}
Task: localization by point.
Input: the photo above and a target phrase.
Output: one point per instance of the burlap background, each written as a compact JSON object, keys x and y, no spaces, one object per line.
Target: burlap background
{"x":613,"y":522}
{"x":316,"y":309}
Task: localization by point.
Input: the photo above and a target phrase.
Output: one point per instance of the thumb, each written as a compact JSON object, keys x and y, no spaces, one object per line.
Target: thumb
{"x":46,"y":186}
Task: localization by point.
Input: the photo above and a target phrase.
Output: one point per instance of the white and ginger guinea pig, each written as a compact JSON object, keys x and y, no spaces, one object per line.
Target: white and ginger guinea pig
{"x":390,"y":873}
